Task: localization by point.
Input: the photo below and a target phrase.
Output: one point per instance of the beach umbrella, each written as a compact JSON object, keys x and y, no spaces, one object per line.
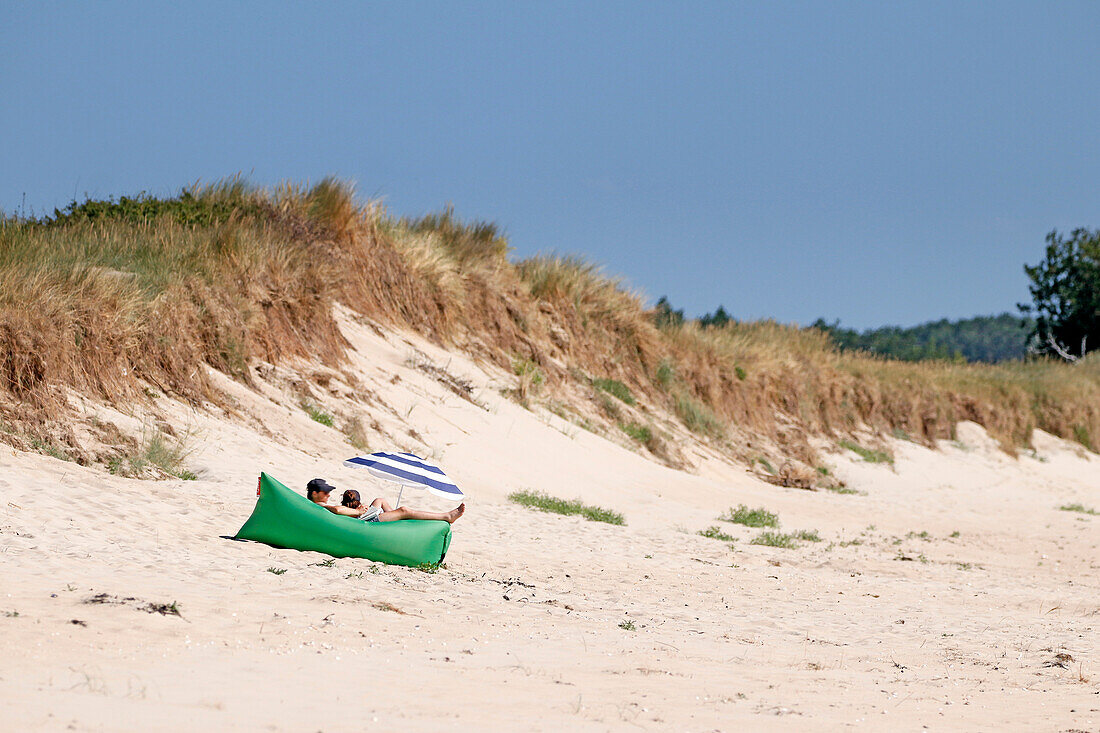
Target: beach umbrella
{"x":409,"y":470}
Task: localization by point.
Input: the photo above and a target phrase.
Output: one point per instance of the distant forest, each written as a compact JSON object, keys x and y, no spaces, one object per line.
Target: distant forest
{"x":983,"y":338}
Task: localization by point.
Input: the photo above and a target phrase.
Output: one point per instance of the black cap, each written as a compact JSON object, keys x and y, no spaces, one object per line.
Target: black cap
{"x":318,"y":484}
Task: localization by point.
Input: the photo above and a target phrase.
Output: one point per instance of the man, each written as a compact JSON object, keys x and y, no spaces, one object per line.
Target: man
{"x":318,"y":491}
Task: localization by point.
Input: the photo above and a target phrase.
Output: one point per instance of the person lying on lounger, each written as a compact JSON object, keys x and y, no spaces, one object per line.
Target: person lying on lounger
{"x":379,"y":510}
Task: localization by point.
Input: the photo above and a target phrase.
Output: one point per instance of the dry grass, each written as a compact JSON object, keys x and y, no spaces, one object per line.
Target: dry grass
{"x":106,"y":298}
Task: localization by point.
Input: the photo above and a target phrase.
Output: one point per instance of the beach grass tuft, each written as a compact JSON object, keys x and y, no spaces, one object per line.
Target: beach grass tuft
{"x":616,"y":389}
{"x":317,"y":414}
{"x":546,"y":503}
{"x":1079,"y":508}
{"x":715,"y":533}
{"x":871,"y":456}
{"x":775,"y":539}
{"x":759,"y":517}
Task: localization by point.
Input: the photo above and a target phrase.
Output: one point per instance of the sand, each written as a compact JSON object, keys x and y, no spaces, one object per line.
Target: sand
{"x":951,"y":593}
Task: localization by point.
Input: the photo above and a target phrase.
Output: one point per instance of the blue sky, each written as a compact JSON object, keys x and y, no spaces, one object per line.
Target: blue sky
{"x":873,"y":162}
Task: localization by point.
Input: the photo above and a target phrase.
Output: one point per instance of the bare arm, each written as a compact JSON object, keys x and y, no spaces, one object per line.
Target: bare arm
{"x":343,"y":510}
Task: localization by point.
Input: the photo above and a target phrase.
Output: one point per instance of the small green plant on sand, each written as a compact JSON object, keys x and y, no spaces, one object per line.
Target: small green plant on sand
{"x":530,"y":378}
{"x":155,"y":452}
{"x":615,"y":388}
{"x":698,"y":418}
{"x":1079,"y":508}
{"x":716,"y":533}
{"x":325,"y":563}
{"x":775,"y":539}
{"x":640,"y":433}
{"x":317,"y":414}
{"x":276,"y":571}
{"x":554,"y":505}
{"x":626,"y":625}
{"x":871,"y":456}
{"x":807,"y":535}
{"x":759,"y":517}
{"x":431,"y":568}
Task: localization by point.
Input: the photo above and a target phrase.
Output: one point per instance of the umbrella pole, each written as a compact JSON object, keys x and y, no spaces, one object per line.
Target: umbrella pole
{"x":399,"y":492}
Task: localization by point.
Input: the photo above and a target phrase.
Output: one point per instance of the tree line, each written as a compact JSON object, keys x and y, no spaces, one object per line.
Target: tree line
{"x":1063,"y":319}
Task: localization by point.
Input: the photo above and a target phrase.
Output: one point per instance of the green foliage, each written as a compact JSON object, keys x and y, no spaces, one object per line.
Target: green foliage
{"x":195,"y":206}
{"x":317,"y":414}
{"x":640,"y":433}
{"x":697,"y":418}
{"x":740,"y":372}
{"x":1065,"y":293}
{"x":715,"y":533}
{"x":1080,"y":508}
{"x":807,"y":535}
{"x":759,"y":517}
{"x":546,"y":503}
{"x":665,"y":373}
{"x":615,"y":388}
{"x":276,"y":571}
{"x":665,"y":317}
{"x":775,"y":539}
{"x":1081,"y":435}
{"x":871,"y":456}
{"x":717,"y":319}
{"x":154,"y":451}
{"x":626,"y":625}
{"x":984,"y":338}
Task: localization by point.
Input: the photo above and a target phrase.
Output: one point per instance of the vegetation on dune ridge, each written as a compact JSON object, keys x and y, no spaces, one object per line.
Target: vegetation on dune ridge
{"x":107,"y":296}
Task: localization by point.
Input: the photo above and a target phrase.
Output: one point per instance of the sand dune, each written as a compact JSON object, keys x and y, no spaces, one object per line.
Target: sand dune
{"x":951,"y":593}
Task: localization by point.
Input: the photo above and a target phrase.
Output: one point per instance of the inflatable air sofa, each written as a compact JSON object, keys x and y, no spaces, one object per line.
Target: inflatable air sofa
{"x":283,"y":518}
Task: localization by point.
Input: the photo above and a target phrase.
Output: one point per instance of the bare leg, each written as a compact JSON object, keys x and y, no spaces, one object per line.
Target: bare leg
{"x":382,"y":504}
{"x":403,"y":512}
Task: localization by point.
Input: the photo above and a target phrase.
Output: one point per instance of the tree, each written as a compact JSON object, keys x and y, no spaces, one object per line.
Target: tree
{"x":1065,"y":290}
{"x":665,"y":316}
{"x":717,"y":318}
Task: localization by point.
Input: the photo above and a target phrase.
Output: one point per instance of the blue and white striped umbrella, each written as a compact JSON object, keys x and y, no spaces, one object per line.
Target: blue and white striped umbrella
{"x":408,"y":469}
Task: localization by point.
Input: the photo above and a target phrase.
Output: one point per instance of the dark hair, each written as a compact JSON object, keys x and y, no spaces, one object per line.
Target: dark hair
{"x":351,"y":499}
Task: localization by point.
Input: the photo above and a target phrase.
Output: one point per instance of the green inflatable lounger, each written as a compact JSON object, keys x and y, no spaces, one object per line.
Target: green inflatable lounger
{"x":283,"y":518}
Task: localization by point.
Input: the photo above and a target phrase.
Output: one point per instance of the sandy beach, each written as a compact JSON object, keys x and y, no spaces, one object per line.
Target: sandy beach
{"x":949,"y":592}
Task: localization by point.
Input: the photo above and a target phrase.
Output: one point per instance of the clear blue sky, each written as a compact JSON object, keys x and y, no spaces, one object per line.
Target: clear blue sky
{"x":875,"y":162}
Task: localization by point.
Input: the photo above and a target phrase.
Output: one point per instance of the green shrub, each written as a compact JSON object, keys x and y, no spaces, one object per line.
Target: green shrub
{"x":554,"y":505}
{"x":807,"y":535}
{"x":716,"y":533}
{"x":759,"y":517}
{"x":775,"y":539}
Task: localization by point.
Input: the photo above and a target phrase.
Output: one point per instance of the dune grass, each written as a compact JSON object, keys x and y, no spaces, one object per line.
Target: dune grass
{"x":616,"y":389}
{"x":759,"y":517}
{"x":546,"y":503}
{"x":109,"y":297}
{"x":775,"y":539}
{"x":871,"y":456}
{"x":1079,"y":508}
